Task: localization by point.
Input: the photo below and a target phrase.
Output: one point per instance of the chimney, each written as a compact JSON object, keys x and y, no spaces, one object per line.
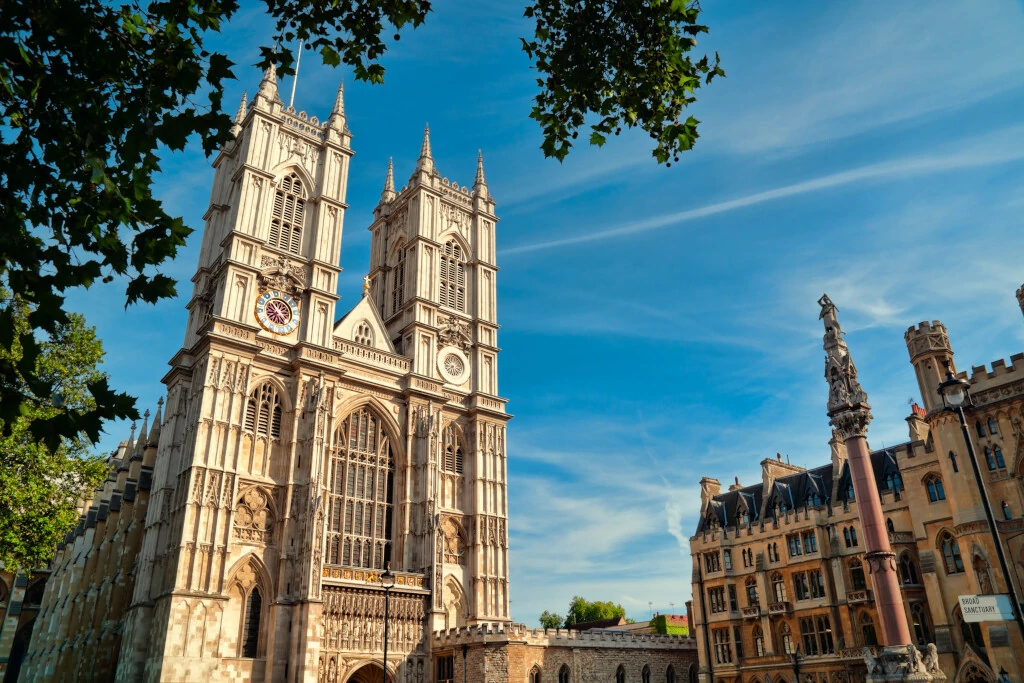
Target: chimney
{"x":709,"y":488}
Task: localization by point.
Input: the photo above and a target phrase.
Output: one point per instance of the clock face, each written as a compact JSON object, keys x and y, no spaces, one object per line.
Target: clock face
{"x":277,"y":312}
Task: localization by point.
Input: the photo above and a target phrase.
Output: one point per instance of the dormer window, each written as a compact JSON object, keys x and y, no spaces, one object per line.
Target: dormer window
{"x":289,"y":210}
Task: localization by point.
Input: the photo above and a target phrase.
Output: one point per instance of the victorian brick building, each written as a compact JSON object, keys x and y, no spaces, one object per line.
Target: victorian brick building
{"x":781,"y":586}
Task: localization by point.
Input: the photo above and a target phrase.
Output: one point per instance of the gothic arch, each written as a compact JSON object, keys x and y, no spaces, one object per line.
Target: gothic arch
{"x":456,"y":603}
{"x":250,"y":596}
{"x":456,"y":236}
{"x":289,"y":165}
{"x":255,"y":515}
{"x":259,"y":568}
{"x":279,"y":385}
{"x":973,"y":669}
{"x":369,"y":672}
{"x":382,"y":412}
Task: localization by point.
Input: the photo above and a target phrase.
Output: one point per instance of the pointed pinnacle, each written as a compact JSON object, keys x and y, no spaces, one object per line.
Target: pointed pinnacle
{"x":480,"y":180}
{"x":389,"y":183}
{"x":240,"y":114}
{"x":339,"y":101}
{"x":425,"y":148}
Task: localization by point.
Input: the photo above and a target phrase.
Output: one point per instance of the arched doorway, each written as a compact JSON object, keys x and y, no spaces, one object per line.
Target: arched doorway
{"x":371,"y":672}
{"x":18,"y":648}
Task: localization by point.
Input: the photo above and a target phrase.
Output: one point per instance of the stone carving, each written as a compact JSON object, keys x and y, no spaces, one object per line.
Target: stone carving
{"x":453,"y":218}
{"x":454,"y":542}
{"x":848,"y":407}
{"x":281,"y":274}
{"x":931,"y":660}
{"x":870,"y":662}
{"x":352,"y":619}
{"x":254,"y":520}
{"x":454,"y":332}
{"x":916,"y":662}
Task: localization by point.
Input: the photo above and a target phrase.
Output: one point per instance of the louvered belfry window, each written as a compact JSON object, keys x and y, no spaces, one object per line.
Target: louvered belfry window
{"x":289,"y":208}
{"x":453,"y":277}
{"x":453,"y":456}
{"x":362,"y":470}
{"x":398,"y":284}
{"x":263,"y":412}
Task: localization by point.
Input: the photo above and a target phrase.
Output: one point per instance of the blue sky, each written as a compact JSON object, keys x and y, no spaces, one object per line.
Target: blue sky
{"x":659,"y":325}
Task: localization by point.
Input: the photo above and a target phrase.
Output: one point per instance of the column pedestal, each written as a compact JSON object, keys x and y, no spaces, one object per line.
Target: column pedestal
{"x":903,"y":663}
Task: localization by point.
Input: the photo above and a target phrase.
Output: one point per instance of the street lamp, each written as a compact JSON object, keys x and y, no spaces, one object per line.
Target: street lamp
{"x":387,"y":581}
{"x":955,"y":395}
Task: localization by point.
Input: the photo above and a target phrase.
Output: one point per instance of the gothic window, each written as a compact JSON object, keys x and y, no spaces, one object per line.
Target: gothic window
{"x":989,"y":459}
{"x":850,"y":494}
{"x":922,"y":630}
{"x":971,"y":632}
{"x":361,"y":472}
{"x":254,"y":518}
{"x":263,"y":411}
{"x":846,"y":536}
{"x":787,"y":639}
{"x":951,"y":553}
{"x":825,"y":642}
{"x":890,"y":527}
{"x":980,"y":428}
{"x":853,"y":536}
{"x":801,"y":588}
{"x":934,"y":485}
{"x":992,"y":427}
{"x":364,"y":334}
{"x":446,"y":669}
{"x":1006,"y":511}
{"x":398,"y":282}
{"x":751,"y":586}
{"x":998,"y":453}
{"x":535,"y":674}
{"x":817,"y":583}
{"x":857,"y":575}
{"x":952,"y":459}
{"x":286,"y":222}
{"x":251,"y":623}
{"x":645,"y":674}
{"x":563,"y":674}
{"x":453,"y":456}
{"x":778,"y":587}
{"x":893,"y":481}
{"x":981,"y":572}
{"x":908,"y":570}
{"x":723,"y":647}
{"x":620,"y":674}
{"x":758,"y":637}
{"x":453,"y":277}
{"x":867,"y":630}
{"x":808,"y":636}
{"x":670,"y":675}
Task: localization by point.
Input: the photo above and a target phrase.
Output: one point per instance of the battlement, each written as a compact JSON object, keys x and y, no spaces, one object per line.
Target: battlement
{"x":927,"y":337}
{"x":989,"y":385}
{"x":923,"y":328}
{"x":499,"y":632}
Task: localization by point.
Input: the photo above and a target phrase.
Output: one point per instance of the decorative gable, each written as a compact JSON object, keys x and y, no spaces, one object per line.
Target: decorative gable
{"x":362,"y":325}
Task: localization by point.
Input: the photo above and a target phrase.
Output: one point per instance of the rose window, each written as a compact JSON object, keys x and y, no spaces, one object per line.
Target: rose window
{"x":453,"y":365}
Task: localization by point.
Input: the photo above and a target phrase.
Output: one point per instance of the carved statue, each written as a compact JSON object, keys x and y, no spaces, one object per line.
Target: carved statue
{"x":916,"y":663}
{"x":931,"y":660}
{"x":870,"y":662}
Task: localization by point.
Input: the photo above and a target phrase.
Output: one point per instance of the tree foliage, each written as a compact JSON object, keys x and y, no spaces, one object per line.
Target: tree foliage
{"x":550,"y":620}
{"x":581,"y":611}
{"x":91,"y":91}
{"x":41,"y":487}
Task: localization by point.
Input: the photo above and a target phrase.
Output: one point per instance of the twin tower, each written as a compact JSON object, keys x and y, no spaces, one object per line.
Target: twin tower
{"x":300,"y":454}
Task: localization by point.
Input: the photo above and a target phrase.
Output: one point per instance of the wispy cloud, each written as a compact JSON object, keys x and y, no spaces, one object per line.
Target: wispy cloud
{"x":984,"y":151}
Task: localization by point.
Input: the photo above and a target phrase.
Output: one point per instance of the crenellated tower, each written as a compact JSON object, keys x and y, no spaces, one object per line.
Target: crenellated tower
{"x":930,"y":351}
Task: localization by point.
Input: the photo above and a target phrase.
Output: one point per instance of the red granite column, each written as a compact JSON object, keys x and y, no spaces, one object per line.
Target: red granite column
{"x":850,"y":414}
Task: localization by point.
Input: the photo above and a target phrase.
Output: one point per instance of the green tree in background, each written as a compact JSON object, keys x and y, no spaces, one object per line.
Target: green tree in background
{"x":42,"y":486}
{"x":550,"y":620}
{"x":91,"y":92}
{"x":582,"y":611}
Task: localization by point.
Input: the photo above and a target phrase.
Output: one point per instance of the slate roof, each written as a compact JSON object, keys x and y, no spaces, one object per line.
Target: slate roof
{"x":810,"y":488}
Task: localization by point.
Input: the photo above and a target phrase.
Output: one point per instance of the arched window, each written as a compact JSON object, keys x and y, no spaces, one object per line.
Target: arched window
{"x":853,"y":536}
{"x":981,"y":429}
{"x":251,"y":623}
{"x":1006,"y":511}
{"x":857,"y":575}
{"x":867,"y":630}
{"x":563,"y":674}
{"x":263,"y":411}
{"x":362,"y":469}
{"x":620,"y":674}
{"x":989,"y":459}
{"x":453,"y":456}
{"x":758,"y":637}
{"x":645,"y":674}
{"x":890,"y":526}
{"x":808,"y":636}
{"x":693,"y":673}
{"x":778,"y":587}
{"x":751,"y":586}
{"x":453,"y":277}
{"x":850,"y":494}
{"x":535,"y":674}
{"x":934,"y":486}
{"x":846,"y":536}
{"x":951,"y":553}
{"x":286,"y":222}
{"x":670,"y":674}
{"x":364,"y":334}
{"x":992,"y":427}
{"x":825,"y":642}
{"x":1000,"y":463}
{"x":908,"y":570}
{"x":787,"y":639}
{"x":398,"y":282}
{"x":922,"y":630}
{"x":981,"y":572}
{"x":971,"y":632}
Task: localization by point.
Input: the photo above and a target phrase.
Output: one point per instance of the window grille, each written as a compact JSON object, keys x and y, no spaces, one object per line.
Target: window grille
{"x":286,"y":222}
{"x":263,"y":412}
{"x":453,"y":277}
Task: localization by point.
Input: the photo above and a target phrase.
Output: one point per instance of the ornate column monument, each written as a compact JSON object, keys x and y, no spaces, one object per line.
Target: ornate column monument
{"x":849,"y":413}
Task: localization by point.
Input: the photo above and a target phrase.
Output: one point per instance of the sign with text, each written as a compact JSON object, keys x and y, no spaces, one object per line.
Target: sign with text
{"x":986,"y":608}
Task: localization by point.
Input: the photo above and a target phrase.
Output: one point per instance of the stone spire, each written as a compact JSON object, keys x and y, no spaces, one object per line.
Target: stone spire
{"x":388,"y":193}
{"x":426,"y":161}
{"x":240,"y":115}
{"x":268,"y":86}
{"x":337,"y":119}
{"x":848,"y":407}
{"x":141,"y":443}
{"x":131,"y":436}
{"x":154,"y":434}
{"x":480,"y":184}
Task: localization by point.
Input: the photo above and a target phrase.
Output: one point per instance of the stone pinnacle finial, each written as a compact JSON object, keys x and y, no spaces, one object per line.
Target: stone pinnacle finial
{"x":848,"y":407}
{"x":426,"y":161}
{"x":388,"y":193}
{"x":131,"y":436}
{"x":339,"y":101}
{"x":268,"y":86}
{"x":142,"y":433}
{"x":240,"y":114}
{"x":480,"y":184}
{"x":154,"y":433}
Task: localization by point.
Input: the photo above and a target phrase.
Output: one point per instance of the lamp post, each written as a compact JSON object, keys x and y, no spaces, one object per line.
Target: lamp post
{"x":387,"y":581}
{"x":955,"y":395}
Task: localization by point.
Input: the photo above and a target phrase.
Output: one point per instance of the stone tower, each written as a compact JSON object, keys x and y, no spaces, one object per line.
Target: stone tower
{"x":433,"y":280}
{"x":301,"y":456}
{"x":929,"y":348}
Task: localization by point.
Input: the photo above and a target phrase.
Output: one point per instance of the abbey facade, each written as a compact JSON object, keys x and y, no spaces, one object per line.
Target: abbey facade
{"x":243,"y":536}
